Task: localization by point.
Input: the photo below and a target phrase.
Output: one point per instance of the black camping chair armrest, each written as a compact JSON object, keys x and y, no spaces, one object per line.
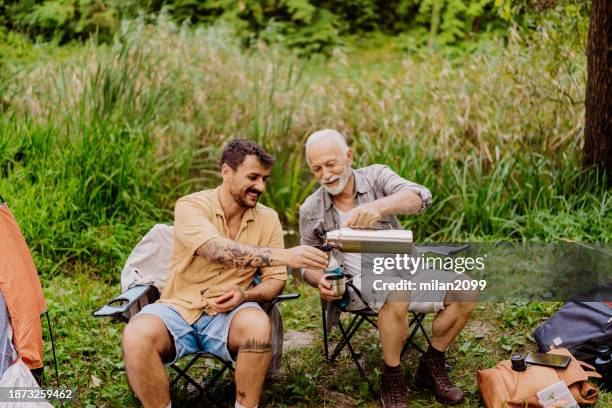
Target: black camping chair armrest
{"x":283,"y":298}
{"x":130,"y":302}
{"x":442,"y":250}
{"x":269,"y":306}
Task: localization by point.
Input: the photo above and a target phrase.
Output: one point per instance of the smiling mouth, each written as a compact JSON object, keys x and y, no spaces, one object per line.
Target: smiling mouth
{"x":253,"y":195}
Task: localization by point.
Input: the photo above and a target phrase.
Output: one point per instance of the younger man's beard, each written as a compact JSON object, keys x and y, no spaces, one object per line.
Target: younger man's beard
{"x":241,"y":199}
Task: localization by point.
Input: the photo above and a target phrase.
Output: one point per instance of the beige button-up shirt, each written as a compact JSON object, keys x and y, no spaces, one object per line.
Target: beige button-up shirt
{"x":194,"y":281}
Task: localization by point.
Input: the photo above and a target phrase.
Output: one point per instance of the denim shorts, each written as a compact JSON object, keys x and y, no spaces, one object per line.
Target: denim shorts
{"x":208,"y":334}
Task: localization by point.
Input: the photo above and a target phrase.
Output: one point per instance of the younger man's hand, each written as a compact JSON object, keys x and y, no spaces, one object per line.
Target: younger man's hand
{"x":305,"y":256}
{"x":228,"y":301}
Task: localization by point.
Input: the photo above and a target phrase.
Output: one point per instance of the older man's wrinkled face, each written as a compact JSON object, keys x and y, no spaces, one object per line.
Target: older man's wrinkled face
{"x":329,"y":165}
{"x":247,"y":182}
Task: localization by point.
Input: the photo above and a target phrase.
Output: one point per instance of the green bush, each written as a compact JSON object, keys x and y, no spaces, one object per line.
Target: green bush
{"x":96,"y":144}
{"x":308,"y":26}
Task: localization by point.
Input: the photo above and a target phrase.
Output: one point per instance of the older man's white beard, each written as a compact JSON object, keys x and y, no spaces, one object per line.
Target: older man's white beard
{"x":344,"y":178}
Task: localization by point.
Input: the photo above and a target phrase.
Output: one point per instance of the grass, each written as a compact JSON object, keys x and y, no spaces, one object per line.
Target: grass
{"x":98,"y":141}
{"x":89,"y":351}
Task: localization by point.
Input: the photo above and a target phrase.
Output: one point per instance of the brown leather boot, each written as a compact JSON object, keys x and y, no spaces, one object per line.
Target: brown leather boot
{"x":431,"y":374}
{"x":393,"y":387}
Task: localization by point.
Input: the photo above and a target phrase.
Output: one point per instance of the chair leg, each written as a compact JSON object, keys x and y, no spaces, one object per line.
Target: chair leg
{"x":325,"y":340}
{"x":340,"y":345}
{"x":372,"y":322}
{"x":203,"y":391}
{"x":417,"y":323}
{"x":213,"y":381}
{"x":353,"y":326}
{"x":182,"y":373}
{"x":350,"y":347}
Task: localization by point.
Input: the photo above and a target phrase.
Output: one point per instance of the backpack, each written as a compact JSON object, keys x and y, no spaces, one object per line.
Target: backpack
{"x":502,"y":387}
{"x":581,"y":325}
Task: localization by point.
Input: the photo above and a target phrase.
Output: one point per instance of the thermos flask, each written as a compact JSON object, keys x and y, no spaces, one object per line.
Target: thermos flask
{"x":371,"y":241}
{"x":603,"y":365}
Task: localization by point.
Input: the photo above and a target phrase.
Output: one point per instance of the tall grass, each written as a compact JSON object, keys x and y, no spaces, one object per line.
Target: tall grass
{"x":98,"y":142}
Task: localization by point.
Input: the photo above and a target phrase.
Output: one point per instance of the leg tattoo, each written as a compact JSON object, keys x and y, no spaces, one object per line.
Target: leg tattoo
{"x":241,"y":396}
{"x":255,"y":346}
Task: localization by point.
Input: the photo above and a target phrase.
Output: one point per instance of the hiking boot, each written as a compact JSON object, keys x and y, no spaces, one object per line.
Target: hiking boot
{"x":393,"y":387}
{"x":432,"y":374}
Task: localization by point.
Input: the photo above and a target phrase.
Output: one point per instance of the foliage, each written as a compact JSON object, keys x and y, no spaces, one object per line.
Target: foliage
{"x":90,"y":357}
{"x":99,"y":139}
{"x":308,"y":26}
{"x":98,"y":143}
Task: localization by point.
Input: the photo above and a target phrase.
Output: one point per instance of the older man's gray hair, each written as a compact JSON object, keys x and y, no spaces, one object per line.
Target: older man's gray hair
{"x":327,"y":134}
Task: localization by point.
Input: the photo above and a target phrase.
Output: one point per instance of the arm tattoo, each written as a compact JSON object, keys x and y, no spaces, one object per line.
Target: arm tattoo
{"x":255,"y":346}
{"x":229,"y":252}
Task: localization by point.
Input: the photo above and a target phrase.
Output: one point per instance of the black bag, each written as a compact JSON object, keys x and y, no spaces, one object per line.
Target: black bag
{"x":581,"y":325}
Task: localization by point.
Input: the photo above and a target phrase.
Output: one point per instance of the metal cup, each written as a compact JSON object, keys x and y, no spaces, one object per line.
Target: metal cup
{"x":338,"y":283}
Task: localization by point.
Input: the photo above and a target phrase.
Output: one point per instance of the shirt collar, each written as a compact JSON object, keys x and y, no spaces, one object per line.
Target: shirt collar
{"x":217,"y":202}
{"x":249,"y":214}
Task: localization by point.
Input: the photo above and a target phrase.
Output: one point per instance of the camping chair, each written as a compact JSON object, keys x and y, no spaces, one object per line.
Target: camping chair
{"x":366,"y":314}
{"x":129,"y":303}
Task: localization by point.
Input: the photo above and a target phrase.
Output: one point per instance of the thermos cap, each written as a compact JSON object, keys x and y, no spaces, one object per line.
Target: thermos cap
{"x":518,"y":362}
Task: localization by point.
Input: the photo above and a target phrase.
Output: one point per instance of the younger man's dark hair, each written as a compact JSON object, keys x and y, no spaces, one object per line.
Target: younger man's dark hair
{"x":234,"y":153}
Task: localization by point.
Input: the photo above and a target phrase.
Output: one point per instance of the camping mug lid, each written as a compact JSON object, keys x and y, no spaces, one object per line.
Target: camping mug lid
{"x":324,"y":248}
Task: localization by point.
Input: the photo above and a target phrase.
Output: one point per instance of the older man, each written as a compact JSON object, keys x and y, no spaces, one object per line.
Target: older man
{"x":371,"y":197}
{"x":222,"y":238}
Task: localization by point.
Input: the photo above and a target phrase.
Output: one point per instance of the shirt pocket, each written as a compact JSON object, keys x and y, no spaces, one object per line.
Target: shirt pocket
{"x":316,"y":229}
{"x":201,"y":270}
{"x":327,"y":224}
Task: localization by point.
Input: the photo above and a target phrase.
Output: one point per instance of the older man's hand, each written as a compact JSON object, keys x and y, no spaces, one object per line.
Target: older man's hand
{"x":364,"y":216}
{"x":326,"y":291}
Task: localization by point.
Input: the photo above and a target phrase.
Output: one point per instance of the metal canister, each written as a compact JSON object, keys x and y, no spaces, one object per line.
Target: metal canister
{"x":518,"y":362}
{"x":337,"y":282}
{"x":603,"y":365}
{"x":371,"y":241}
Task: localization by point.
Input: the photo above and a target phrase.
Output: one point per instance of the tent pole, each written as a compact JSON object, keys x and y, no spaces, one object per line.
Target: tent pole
{"x":53,"y":348}
{"x":2,"y":200}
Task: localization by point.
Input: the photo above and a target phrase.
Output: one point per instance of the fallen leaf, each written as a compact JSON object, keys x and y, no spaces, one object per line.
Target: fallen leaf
{"x":95,"y":381}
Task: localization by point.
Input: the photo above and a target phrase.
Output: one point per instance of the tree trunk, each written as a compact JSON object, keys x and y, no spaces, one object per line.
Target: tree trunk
{"x":598,"y":130}
{"x":435,"y":21}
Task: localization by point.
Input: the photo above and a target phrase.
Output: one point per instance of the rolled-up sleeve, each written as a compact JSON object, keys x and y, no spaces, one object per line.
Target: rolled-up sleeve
{"x":307,"y":235}
{"x":191,"y":225}
{"x":389,"y":182}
